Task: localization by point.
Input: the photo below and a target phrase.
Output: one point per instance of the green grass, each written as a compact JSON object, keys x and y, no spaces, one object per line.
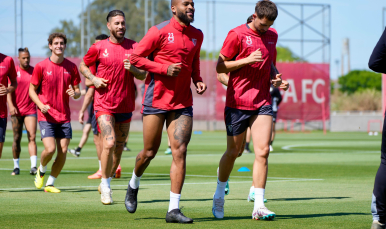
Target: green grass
{"x":315,"y":181}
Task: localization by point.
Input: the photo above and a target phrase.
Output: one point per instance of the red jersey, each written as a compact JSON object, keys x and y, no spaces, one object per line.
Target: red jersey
{"x":248,"y":87}
{"x":118,"y":96}
{"x":165,"y":44}
{"x":53,"y":81}
{"x":20,"y":98}
{"x":7,"y":71}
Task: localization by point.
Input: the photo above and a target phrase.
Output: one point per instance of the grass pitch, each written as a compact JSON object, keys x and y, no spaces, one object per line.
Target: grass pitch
{"x":314,"y":181}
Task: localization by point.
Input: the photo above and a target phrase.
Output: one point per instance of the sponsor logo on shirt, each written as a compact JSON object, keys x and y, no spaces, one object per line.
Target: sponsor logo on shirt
{"x":128,"y":55}
{"x":171,"y":38}
{"x":18,"y":74}
{"x":43,"y":132}
{"x":194,"y":41}
{"x":66,"y":73}
{"x":49,"y":73}
{"x":105,"y":54}
{"x":271,"y":42}
{"x":249,"y":40}
{"x":2,"y":66}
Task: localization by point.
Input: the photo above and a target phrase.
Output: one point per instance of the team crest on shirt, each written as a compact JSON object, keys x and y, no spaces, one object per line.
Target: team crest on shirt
{"x":249,"y":40}
{"x":49,"y":73}
{"x":194,"y":41}
{"x":171,"y":38}
{"x":18,"y":74}
{"x":105,"y":54}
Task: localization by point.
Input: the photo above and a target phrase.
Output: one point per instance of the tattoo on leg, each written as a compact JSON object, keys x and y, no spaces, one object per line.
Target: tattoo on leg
{"x":183,"y":128}
{"x":138,"y":159}
{"x":124,"y":128}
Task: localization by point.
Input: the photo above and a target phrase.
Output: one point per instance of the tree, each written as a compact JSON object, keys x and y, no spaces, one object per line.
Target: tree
{"x":359,"y":80}
{"x":134,"y":12}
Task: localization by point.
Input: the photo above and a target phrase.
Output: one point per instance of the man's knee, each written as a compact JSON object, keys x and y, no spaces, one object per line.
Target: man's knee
{"x":234,"y":151}
{"x":50,"y":149}
{"x":109,"y":144}
{"x":262,"y":152}
{"x":149,"y":154}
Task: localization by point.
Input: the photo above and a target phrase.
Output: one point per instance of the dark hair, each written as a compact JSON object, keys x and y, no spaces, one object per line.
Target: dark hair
{"x":55,"y":35}
{"x":101,"y":37}
{"x":250,"y":18}
{"x":23,"y":50}
{"x":114,"y":13}
{"x":266,"y":9}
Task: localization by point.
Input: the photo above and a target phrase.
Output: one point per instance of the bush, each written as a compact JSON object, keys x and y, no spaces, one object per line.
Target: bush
{"x":363,"y":100}
{"x":359,"y":80}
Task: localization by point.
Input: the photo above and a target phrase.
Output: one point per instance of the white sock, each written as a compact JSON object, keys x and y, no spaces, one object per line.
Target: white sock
{"x":220,"y":190}
{"x":51,"y":180}
{"x":174,"y":201}
{"x":16,"y":163}
{"x":33,"y":161}
{"x":43,"y":169}
{"x":100,"y":167}
{"x":134,"y":182}
{"x":252,"y":189}
{"x":259,"y":198}
{"x":105,"y":182}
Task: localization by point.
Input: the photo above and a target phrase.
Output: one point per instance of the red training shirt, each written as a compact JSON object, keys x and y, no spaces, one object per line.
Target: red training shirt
{"x":53,"y":81}
{"x":248,"y":87}
{"x":7,"y":70}
{"x":20,"y":98}
{"x":165,"y":44}
{"x":118,"y":96}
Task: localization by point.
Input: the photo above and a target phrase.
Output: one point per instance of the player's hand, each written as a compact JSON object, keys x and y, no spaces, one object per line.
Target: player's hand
{"x":127,"y":65}
{"x":276,"y":82}
{"x":12,"y":110}
{"x":174,"y":69}
{"x":255,"y":57}
{"x":200,"y":88}
{"x":44,"y":108}
{"x":81,"y":115}
{"x":284,"y":85}
{"x":99,"y":82}
{"x":3,"y":90}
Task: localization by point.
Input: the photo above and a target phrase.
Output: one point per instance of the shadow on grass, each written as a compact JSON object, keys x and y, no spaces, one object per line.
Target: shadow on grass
{"x":319,"y":215}
{"x":309,"y":198}
{"x":167,"y":200}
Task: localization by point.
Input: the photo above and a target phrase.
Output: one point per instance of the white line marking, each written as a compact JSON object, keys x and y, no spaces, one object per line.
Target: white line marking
{"x":166,"y":174}
{"x":83,"y":187}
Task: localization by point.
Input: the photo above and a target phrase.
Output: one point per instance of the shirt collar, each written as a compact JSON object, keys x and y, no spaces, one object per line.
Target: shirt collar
{"x":177,"y":25}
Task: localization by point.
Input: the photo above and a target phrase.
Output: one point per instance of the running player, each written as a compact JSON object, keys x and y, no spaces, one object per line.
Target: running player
{"x":114,"y":94}
{"x":248,"y":100}
{"x":23,"y":110}
{"x":378,"y":209}
{"x":53,"y":82}
{"x":7,"y":72}
{"x":173,"y":48}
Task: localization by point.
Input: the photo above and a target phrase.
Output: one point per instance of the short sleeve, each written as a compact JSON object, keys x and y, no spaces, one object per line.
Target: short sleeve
{"x":75,"y":76}
{"x":37,"y":75}
{"x":91,"y":56}
{"x":231,"y":45}
{"x":12,"y":70}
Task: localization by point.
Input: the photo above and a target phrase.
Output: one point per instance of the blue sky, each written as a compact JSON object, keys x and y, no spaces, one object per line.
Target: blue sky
{"x":358,"y":20}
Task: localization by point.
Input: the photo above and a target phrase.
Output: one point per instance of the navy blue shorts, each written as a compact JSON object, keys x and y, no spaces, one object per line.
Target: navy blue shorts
{"x":187,"y":111}
{"x":237,"y":121}
{"x":94,"y":125}
{"x":3,"y":128}
{"x":55,"y":130}
{"x":90,"y":110}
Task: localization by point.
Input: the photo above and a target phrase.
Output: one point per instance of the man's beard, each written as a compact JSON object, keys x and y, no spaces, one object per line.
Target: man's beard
{"x":184,"y":17}
{"x":116,"y":36}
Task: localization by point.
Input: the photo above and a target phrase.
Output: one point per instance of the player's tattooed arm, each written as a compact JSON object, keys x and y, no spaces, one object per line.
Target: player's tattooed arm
{"x":223,"y":78}
{"x":86,"y":72}
{"x":138,"y":73}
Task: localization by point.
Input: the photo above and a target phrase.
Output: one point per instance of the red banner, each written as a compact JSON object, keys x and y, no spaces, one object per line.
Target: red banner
{"x":309,"y":91}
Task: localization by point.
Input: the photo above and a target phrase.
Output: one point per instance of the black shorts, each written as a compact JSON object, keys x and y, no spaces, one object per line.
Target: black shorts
{"x":187,"y":111}
{"x":94,"y":125}
{"x":90,"y":110}
{"x":55,"y":130}
{"x":3,"y":129}
{"x":274,"y":116}
{"x":237,"y":121}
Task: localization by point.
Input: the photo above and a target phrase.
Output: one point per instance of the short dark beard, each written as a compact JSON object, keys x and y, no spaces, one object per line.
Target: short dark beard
{"x":116,"y":35}
{"x":184,"y":17}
